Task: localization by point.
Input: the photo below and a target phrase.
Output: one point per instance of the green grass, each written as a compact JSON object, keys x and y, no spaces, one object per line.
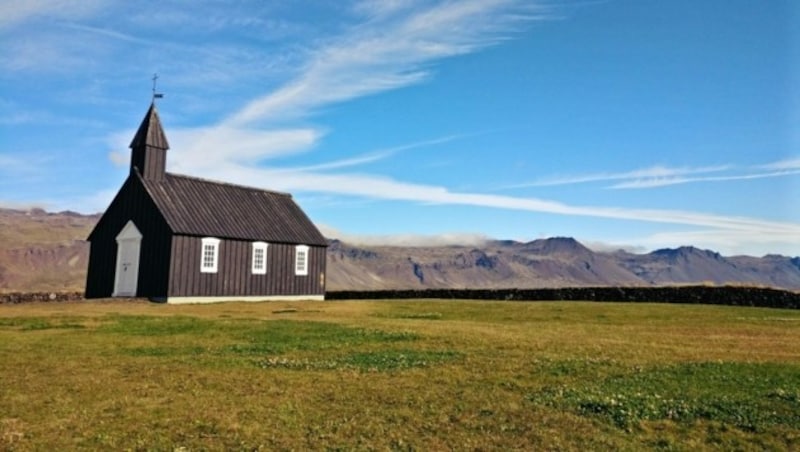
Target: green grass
{"x":382,"y":361}
{"x":40,"y":323}
{"x":748,"y":396}
{"x":416,"y":375}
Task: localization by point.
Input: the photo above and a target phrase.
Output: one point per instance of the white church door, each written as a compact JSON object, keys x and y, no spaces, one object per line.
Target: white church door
{"x":129,"y":242}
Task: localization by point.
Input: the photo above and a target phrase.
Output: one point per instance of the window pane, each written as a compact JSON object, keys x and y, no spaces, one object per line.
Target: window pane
{"x":208,"y":256}
{"x":209,"y":252}
{"x":301,"y":260}
{"x":259,"y":258}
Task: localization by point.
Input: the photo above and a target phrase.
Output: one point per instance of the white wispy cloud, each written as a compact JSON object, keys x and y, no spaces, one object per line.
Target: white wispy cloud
{"x":19,"y":169}
{"x":726,"y":242}
{"x":196,"y":150}
{"x":46,"y":51}
{"x":88,"y":204}
{"x":374,"y":187}
{"x":373,"y":57}
{"x":20,"y":117}
{"x":664,"y":181}
{"x":662,"y":176}
{"x":375,"y":156}
{"x":347,"y":162}
{"x":381,"y":56}
{"x":382,"y":8}
{"x":221,"y":144}
{"x":119,"y":158}
{"x":108,"y":33}
{"x":610,"y":247}
{"x":199,"y":49}
{"x":422,"y":240}
{"x":649,"y":173}
{"x":13,"y":164}
{"x":14,"y":12}
{"x":787,"y":164}
{"x":35,"y":45}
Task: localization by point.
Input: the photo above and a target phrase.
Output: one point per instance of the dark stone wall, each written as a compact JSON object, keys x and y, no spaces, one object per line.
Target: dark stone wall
{"x":27,"y":297}
{"x":725,"y":295}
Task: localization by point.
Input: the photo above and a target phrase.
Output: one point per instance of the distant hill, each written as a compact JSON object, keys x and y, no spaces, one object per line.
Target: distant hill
{"x":554,"y":262}
{"x":41,"y":251}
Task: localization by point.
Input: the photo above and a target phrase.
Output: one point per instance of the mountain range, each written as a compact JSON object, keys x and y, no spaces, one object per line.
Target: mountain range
{"x":42,"y":251}
{"x":552,"y":262}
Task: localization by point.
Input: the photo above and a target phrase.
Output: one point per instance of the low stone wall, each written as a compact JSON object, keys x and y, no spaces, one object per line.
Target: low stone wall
{"x":27,"y":297}
{"x":725,"y":295}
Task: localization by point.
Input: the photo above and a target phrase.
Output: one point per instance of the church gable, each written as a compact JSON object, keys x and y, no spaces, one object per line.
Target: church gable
{"x":132,"y":202}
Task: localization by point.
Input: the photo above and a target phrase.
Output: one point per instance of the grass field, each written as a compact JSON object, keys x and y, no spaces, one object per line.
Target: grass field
{"x":400,"y":375}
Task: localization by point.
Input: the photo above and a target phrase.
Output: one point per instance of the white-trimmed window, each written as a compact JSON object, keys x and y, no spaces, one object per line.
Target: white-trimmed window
{"x":209,"y":255}
{"x":301,"y":260}
{"x":259,"y":261}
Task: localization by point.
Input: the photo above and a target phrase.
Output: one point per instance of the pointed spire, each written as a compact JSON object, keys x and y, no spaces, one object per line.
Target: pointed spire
{"x":149,"y":147}
{"x":150,"y":132}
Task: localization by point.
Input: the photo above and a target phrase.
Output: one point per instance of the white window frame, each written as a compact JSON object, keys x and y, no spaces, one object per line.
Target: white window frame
{"x":301,"y":265}
{"x":259,"y":247}
{"x":212,"y":244}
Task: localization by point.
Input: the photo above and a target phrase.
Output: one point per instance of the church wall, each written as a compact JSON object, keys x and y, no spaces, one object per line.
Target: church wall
{"x":234,"y":276}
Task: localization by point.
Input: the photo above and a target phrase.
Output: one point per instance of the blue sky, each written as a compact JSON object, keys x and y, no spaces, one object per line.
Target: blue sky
{"x":622,"y":123}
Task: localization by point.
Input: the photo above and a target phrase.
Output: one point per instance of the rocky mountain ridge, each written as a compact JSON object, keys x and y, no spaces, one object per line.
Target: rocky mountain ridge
{"x":41,"y":251}
{"x":547,"y":263}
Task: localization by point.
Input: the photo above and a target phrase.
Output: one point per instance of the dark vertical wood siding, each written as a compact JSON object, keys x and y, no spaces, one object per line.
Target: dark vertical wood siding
{"x":234,"y":275}
{"x":149,"y":147}
{"x":131,"y":203}
{"x":150,"y":161}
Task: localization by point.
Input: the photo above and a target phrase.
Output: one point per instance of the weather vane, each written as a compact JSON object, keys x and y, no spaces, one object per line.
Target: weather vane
{"x":155,"y":94}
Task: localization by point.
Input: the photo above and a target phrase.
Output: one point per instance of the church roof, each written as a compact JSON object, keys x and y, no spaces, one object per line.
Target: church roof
{"x":150,"y":132}
{"x":200,"y":207}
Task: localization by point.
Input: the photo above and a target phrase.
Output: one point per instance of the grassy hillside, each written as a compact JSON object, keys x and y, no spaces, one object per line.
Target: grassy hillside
{"x":421,"y":375}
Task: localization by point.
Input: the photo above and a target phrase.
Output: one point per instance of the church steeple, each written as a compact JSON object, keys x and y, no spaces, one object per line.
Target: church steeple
{"x":149,"y":147}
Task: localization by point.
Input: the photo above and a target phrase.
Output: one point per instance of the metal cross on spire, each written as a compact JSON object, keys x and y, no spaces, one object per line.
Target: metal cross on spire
{"x":155,"y":94}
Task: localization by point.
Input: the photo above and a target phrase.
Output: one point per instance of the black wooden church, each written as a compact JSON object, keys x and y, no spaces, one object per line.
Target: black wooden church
{"x":180,"y":239}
